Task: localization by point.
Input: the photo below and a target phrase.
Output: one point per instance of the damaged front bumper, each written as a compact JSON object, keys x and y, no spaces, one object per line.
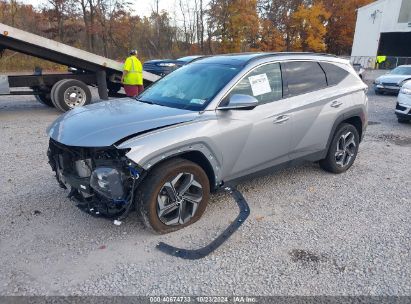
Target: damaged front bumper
{"x":102,"y":181}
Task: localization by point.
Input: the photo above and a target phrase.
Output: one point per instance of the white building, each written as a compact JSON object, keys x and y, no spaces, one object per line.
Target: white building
{"x":383,"y":28}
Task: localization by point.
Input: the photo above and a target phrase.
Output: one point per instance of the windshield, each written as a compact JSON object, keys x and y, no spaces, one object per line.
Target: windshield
{"x":401,"y":71}
{"x":191,"y":87}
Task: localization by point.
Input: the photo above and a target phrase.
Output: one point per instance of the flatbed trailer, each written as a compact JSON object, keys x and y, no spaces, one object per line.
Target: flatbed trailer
{"x":61,"y":90}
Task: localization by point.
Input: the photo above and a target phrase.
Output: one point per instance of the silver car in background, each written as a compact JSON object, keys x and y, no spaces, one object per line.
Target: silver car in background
{"x":392,"y":81}
{"x":213,"y":122}
{"x":403,"y":108}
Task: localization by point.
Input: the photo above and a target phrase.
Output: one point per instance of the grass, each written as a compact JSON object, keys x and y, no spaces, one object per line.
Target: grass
{"x":16,"y":62}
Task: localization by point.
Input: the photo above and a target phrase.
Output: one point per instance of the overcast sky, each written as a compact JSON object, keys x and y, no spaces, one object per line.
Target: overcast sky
{"x":141,"y":7}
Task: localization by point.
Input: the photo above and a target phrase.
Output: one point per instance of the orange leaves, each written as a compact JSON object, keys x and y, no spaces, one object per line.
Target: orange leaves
{"x":341,"y":26}
{"x":271,"y":37}
{"x":310,"y":22}
{"x":235,"y":24}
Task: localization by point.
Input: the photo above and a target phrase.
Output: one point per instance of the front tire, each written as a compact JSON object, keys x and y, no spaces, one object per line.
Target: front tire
{"x":402,"y":120}
{"x":174,"y":195}
{"x":343,"y":149}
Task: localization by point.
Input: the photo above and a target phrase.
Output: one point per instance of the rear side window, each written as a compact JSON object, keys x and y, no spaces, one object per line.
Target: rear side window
{"x":264,"y":83}
{"x":334,"y":73}
{"x":304,"y":77}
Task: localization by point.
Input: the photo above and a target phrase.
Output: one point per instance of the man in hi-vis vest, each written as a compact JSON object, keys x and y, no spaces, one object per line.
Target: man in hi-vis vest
{"x":132,"y":75}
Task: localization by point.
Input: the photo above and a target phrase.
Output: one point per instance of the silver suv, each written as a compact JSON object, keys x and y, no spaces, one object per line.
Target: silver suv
{"x":207,"y":124}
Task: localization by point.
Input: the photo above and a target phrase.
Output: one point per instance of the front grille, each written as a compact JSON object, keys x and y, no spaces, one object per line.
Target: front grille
{"x":390,"y":84}
{"x":400,"y":108}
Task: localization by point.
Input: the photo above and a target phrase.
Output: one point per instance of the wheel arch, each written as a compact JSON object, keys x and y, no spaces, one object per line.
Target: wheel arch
{"x":355,"y":117}
{"x":357,"y":123}
{"x":196,"y":157}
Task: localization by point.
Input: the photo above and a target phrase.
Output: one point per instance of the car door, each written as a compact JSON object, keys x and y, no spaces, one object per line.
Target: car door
{"x":315,"y":103}
{"x":256,"y":139}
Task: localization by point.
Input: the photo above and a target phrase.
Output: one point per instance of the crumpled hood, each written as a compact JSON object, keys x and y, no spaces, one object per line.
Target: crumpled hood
{"x":393,"y":78}
{"x":103,"y":124}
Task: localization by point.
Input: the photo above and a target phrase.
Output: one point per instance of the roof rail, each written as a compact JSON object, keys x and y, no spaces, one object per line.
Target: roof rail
{"x":267,"y":55}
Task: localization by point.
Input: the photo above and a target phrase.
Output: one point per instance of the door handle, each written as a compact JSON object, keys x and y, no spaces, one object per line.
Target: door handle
{"x":281,"y":119}
{"x":336,"y":103}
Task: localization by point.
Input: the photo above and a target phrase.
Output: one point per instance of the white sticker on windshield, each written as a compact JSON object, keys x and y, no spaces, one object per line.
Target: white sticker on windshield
{"x":260,"y":84}
{"x":198,"y":101}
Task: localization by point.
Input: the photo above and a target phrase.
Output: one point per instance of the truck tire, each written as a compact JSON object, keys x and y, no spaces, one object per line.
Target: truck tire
{"x":52,"y":95}
{"x":45,"y":99}
{"x":71,"y":93}
{"x":174,"y":195}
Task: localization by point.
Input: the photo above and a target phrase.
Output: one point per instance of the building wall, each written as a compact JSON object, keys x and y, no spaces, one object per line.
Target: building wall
{"x":367,"y":29}
{"x":392,"y":9}
{"x":375,"y":18}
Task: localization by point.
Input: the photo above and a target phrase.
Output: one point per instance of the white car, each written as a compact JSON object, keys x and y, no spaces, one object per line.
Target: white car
{"x":403,"y":108}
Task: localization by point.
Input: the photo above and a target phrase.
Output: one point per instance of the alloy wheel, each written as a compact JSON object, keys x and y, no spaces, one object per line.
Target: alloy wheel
{"x":178,"y":199}
{"x":346,"y":149}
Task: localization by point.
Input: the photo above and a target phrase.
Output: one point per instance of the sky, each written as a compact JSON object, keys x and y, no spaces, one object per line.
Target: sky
{"x":141,"y":7}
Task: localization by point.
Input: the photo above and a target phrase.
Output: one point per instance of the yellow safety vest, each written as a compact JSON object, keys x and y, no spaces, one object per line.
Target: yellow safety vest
{"x":135,"y":71}
{"x":381,"y":59}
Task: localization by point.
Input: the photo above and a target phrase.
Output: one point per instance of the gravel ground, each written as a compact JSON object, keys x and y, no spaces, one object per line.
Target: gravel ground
{"x":309,"y":232}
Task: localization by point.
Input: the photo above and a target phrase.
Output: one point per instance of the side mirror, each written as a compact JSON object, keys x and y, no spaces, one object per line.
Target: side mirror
{"x":240,"y":102}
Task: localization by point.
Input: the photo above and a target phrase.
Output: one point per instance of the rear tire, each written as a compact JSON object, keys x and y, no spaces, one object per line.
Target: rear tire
{"x":174,"y":195}
{"x":45,"y":99}
{"x":343,"y":149}
{"x":53,"y":92}
{"x":402,"y":120}
{"x":70,"y":93}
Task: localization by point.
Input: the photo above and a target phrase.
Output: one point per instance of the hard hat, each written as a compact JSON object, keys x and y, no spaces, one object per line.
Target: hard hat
{"x":133,"y":52}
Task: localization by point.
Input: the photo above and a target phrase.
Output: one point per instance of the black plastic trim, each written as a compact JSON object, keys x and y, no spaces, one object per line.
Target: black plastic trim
{"x":197,"y":254}
{"x":358,"y":112}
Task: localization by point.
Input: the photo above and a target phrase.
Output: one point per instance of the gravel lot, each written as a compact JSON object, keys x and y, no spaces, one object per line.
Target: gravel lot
{"x":309,"y":232}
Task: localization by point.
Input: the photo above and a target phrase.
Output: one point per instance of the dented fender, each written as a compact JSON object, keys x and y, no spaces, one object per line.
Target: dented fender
{"x":149,"y":149}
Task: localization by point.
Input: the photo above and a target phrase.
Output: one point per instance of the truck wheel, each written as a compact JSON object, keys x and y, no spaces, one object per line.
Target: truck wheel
{"x":343,"y":149}
{"x":174,"y":195}
{"x":45,"y":99}
{"x":52,"y":95}
{"x":71,"y":93}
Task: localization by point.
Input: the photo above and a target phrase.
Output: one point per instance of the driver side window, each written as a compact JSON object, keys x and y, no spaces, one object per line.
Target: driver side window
{"x":264,"y":83}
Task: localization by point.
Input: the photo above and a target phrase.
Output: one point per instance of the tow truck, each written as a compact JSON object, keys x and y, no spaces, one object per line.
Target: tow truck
{"x":61,"y":90}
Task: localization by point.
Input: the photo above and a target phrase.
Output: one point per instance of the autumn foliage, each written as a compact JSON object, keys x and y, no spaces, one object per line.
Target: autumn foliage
{"x":110,"y":27}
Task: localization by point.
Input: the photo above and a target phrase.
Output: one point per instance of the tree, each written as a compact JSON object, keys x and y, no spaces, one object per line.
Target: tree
{"x":278,"y":17}
{"x":309,"y":22}
{"x":341,"y":24}
{"x":57,"y":13}
{"x":271,"y":38}
{"x":235,"y":24}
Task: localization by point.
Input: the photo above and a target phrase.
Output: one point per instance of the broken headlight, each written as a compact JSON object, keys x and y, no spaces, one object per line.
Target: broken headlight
{"x":108,"y":182}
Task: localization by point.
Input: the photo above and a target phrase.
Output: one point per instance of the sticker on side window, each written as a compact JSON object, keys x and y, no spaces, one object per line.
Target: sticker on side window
{"x":260,"y":84}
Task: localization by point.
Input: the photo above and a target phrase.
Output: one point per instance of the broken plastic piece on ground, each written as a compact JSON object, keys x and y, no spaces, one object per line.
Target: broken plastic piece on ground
{"x":203,"y":252}
{"x":117,"y":223}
